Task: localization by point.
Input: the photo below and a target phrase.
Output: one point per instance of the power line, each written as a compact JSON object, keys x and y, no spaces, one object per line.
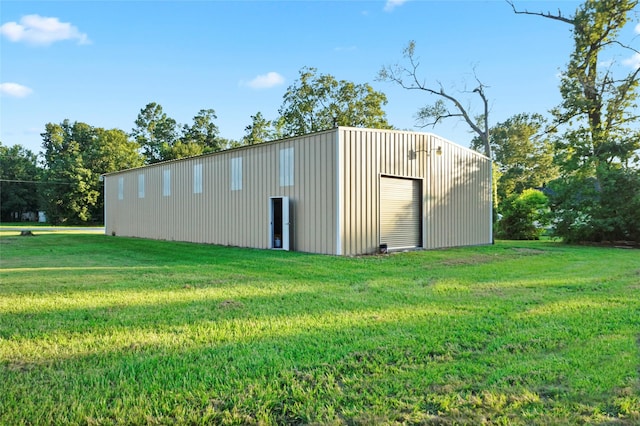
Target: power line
{"x":40,"y":182}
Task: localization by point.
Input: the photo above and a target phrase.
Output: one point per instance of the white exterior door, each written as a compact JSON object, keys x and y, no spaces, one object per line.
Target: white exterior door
{"x":279,"y":223}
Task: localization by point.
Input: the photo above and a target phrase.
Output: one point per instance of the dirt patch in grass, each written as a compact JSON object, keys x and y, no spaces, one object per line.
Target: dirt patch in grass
{"x":230,"y":304}
{"x":528,"y":251}
{"x":478,"y":259}
{"x":20,"y":366}
{"x":471,"y":260}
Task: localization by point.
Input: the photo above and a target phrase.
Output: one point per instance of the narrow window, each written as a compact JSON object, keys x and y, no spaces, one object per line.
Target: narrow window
{"x":140,"y":185}
{"x":166,"y":183}
{"x":286,"y":167}
{"x":236,"y":174}
{"x":197,"y":179}
{"x":121,"y":188}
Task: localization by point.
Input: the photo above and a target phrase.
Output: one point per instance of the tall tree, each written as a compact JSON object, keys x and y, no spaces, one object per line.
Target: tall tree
{"x":598,"y":151}
{"x":18,"y":173}
{"x":230,"y":143}
{"x":153,"y":128}
{"x":204,"y":132}
{"x":447,"y":105}
{"x":75,"y":155}
{"x":319,"y":101}
{"x":522,"y":153}
{"x":180,"y":150}
{"x":111,"y":150}
{"x":160,"y":139}
{"x":68,"y":193}
{"x":258,"y":131}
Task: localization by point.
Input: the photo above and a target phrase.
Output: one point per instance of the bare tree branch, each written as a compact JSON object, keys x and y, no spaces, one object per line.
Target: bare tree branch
{"x":407,"y":78}
{"x":549,"y":15}
{"x":438,"y":119}
{"x":625,"y":46}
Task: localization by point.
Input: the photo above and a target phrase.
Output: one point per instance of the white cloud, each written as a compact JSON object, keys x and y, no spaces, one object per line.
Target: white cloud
{"x":633,"y":62}
{"x":637,"y":29}
{"x":392,"y":4}
{"x":265,"y":81}
{"x":14,"y":90}
{"x":42,"y":31}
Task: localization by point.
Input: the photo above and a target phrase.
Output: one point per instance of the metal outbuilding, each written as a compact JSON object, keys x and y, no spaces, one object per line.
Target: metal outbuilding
{"x":344,"y":191}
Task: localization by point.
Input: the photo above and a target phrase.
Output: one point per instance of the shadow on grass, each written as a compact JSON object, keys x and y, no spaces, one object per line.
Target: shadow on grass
{"x":258,"y":336}
{"x":418,"y":366}
{"x":215,"y":306}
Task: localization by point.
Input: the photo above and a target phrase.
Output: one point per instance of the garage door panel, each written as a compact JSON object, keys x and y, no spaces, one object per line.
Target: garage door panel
{"x":400,"y":214}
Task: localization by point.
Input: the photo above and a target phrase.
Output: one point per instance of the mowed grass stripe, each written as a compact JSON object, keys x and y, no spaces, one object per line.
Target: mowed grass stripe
{"x":103,"y":330}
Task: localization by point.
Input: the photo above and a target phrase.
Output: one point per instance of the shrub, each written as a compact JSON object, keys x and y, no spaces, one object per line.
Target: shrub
{"x":600,"y":208}
{"x":525,"y":216}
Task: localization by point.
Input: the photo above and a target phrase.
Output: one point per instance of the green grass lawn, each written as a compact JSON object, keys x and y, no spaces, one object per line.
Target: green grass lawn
{"x":104,"y":330}
{"x":12,"y":229}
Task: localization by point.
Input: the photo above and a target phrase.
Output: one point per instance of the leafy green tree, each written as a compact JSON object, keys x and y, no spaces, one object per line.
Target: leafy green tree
{"x":600,"y":142}
{"x":153,"y":129}
{"x":19,"y":171}
{"x":111,"y":150}
{"x":260,"y":130}
{"x":602,"y":208}
{"x":75,"y":155}
{"x":180,"y":150}
{"x":230,"y":143}
{"x":319,"y":101}
{"x":522,"y":153}
{"x":525,"y":216}
{"x":68,"y":193}
{"x":204,"y":133}
{"x":160,"y":140}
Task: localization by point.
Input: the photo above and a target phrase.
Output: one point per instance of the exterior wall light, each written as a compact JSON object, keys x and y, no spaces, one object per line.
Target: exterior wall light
{"x":412,"y":154}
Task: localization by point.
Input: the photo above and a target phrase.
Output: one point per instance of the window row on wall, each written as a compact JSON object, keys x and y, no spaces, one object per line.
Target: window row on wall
{"x":285,"y":174}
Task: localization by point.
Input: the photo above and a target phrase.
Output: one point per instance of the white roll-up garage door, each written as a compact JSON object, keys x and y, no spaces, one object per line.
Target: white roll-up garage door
{"x":400,"y":218}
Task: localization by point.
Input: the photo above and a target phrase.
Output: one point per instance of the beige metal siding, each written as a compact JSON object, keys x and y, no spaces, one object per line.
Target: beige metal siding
{"x":334,"y":196}
{"x":456,"y":203}
{"x":220,"y":215}
{"x":459,"y":204}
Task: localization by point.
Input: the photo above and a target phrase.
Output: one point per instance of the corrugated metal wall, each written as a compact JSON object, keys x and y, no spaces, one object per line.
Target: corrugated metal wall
{"x":334,"y":196}
{"x":458,"y":200}
{"x":220,"y":215}
{"x":456,"y":187}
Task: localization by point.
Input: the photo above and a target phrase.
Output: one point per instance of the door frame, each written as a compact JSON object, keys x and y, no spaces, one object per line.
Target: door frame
{"x":285,"y":225}
{"x":421,"y":207}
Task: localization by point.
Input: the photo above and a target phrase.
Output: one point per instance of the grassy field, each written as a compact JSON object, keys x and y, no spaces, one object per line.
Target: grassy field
{"x":103,"y":330}
{"x":12,"y":229}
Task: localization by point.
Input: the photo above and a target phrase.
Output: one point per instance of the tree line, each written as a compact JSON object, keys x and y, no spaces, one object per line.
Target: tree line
{"x":64,"y":178}
{"x":576,"y":172}
{"x":579,"y":171}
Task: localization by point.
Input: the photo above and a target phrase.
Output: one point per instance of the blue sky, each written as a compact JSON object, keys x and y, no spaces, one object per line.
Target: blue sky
{"x":100,"y":62}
